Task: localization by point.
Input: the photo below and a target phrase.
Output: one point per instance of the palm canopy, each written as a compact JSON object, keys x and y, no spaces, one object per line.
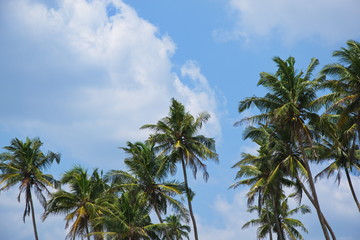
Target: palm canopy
{"x":267,"y":219}
{"x":128,"y":219}
{"x":175,"y":229}
{"x":288,"y":102}
{"x":23,"y":164}
{"x":177,"y":135}
{"x":338,"y":146}
{"x":147,"y":174}
{"x":86,"y":200}
{"x":344,"y":82}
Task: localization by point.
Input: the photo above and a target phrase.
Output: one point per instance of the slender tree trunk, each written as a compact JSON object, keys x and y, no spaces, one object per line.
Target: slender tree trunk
{"x":158,"y":214}
{"x":32,"y":212}
{"x":87,"y":231}
{"x":313,"y":203}
{"x":276,"y":202}
{"x":352,"y":188}
{"x":269,"y":223}
{"x":313,"y":190}
{"x":189,"y":200}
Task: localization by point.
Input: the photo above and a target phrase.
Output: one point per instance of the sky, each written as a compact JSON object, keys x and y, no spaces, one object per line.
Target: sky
{"x":85,"y":75}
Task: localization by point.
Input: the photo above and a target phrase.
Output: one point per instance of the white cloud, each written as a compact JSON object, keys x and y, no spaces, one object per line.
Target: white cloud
{"x":330,"y":20}
{"x":231,"y":215}
{"x":198,"y":96}
{"x":86,"y":81}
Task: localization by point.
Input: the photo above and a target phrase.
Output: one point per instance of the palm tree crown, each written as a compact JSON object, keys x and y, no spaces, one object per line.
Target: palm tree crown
{"x":24,"y":164}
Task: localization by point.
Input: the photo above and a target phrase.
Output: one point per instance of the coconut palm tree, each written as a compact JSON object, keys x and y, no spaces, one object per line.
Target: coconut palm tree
{"x":177,"y":136}
{"x":86,"y":200}
{"x":23,"y":164}
{"x":268,"y":172}
{"x":288,"y":224}
{"x":288,"y":105}
{"x":147,"y":175}
{"x":343,"y":80}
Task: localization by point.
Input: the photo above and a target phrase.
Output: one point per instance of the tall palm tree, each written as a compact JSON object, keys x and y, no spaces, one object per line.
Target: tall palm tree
{"x":344,"y":98}
{"x":288,"y":105}
{"x":147,"y":174}
{"x":23,"y":164}
{"x":86,"y":200}
{"x":177,"y":136}
{"x":288,"y":224}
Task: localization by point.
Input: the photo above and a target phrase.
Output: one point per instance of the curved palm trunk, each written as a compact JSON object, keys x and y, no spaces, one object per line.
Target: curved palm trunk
{"x":32,"y":212}
{"x":352,"y":188}
{"x":189,"y":200}
{"x":313,"y":203}
{"x":313,"y":189}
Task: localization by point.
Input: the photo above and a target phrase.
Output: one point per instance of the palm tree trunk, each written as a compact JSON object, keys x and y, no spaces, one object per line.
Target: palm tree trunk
{"x":269,"y":223}
{"x":276,"y":202}
{"x":189,"y":200}
{"x":32,"y":212}
{"x":28,"y":193}
{"x":313,"y":203}
{"x":313,"y":189}
{"x":87,"y":231}
{"x":352,"y":188}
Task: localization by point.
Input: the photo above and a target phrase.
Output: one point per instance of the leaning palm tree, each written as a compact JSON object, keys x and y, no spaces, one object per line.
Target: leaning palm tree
{"x":177,"y":136}
{"x":288,"y":224}
{"x":147,"y":175}
{"x":24,"y":164}
{"x":86,"y":200}
{"x":288,"y":105}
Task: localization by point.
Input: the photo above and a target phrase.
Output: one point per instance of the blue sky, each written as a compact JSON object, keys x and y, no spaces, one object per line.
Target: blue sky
{"x":85,"y":75}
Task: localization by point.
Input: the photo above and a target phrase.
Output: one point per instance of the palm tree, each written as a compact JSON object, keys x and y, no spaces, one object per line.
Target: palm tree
{"x":128,"y":219}
{"x":86,"y":200}
{"x":344,"y":99}
{"x":288,"y":224}
{"x":175,"y":229}
{"x":266,"y":173}
{"x":177,"y":135}
{"x":345,"y":88}
{"x":339,"y":146}
{"x":288,"y":105}
{"x":24,"y":164}
{"x":147,"y":174}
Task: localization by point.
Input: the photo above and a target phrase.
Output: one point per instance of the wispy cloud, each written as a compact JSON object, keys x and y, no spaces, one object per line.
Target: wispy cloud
{"x":331,"y":21}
